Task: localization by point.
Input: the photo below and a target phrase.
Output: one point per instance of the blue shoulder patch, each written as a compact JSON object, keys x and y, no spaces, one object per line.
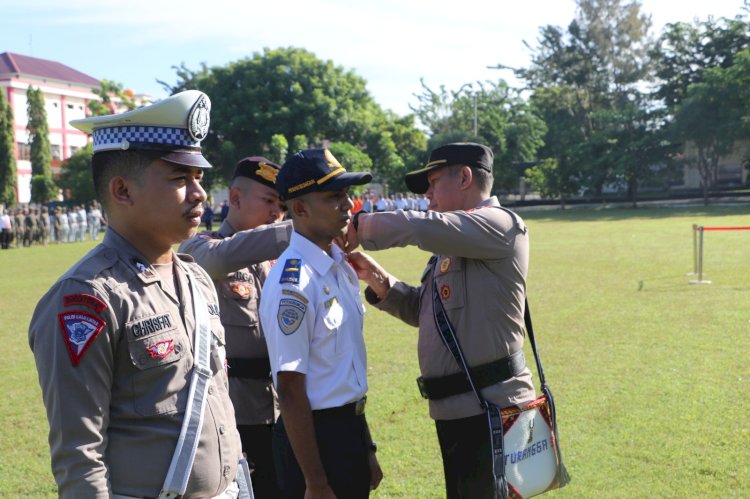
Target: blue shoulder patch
{"x":291,"y":271}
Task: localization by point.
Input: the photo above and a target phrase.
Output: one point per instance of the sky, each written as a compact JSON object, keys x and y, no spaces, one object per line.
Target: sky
{"x":390,"y":43}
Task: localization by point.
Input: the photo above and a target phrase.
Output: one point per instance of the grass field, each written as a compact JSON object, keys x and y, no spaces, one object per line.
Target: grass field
{"x":650,"y":374}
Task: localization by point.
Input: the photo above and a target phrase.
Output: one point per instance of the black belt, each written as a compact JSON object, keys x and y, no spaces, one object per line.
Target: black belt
{"x":352,"y":409}
{"x":484,"y":375}
{"x":259,"y":368}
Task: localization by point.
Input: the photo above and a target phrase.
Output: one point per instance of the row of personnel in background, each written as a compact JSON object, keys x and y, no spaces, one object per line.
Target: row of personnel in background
{"x":287,"y":381}
{"x":38,"y":225}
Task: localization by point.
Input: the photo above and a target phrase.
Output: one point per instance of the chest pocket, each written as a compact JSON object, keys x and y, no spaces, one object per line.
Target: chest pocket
{"x":333,"y":318}
{"x":157,"y":350}
{"x":239,"y":297}
{"x":451,"y":282}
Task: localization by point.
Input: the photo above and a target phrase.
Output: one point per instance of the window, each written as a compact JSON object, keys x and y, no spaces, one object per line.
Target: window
{"x":73,"y":150}
{"x":24,"y":151}
{"x":70,"y":106}
{"x":56,"y":152}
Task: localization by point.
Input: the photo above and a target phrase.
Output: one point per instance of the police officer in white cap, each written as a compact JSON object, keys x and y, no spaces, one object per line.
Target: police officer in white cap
{"x":128,"y":343}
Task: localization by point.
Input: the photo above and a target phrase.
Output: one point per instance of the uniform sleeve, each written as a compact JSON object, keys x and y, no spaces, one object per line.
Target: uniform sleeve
{"x":402,"y":302}
{"x":222,"y":256}
{"x":288,"y":320}
{"x":72,"y":335}
{"x":486,"y":233}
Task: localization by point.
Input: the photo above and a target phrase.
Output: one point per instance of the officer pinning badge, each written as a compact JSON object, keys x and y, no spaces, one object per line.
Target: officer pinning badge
{"x":445,"y":292}
{"x":290,"y":315}
{"x":161,"y":349}
{"x":79,"y":329}
{"x":199,"y":118}
{"x":85,"y":300}
{"x":445,"y":264}
{"x":291,"y":271}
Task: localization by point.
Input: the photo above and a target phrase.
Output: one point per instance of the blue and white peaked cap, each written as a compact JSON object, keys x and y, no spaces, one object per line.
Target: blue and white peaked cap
{"x":175,"y":126}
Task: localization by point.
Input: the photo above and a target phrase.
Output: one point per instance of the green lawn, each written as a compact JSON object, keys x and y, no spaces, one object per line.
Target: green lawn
{"x":650,"y":374}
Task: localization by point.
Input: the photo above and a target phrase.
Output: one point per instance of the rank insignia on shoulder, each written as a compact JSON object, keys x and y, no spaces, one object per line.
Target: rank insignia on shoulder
{"x":79,"y":329}
{"x":445,"y":264}
{"x":85,"y":300}
{"x":290,"y":315}
{"x":161,"y":349}
{"x":291,"y":271}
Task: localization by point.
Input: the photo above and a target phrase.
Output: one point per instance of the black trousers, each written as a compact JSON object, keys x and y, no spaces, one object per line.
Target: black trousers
{"x":467,"y":457}
{"x":341,"y":438}
{"x":256,"y":443}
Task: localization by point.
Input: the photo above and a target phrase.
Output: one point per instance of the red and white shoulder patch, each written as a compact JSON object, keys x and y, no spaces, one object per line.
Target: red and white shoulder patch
{"x":79,"y":329}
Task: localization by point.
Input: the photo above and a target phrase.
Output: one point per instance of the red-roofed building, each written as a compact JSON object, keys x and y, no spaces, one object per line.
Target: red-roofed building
{"x":67,"y":93}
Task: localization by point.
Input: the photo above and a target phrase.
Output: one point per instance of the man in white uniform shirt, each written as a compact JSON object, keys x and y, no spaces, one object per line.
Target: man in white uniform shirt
{"x":312,"y":316}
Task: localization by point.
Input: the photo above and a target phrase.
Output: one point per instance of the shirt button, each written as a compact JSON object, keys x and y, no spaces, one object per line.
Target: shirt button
{"x":210,"y":390}
{"x":226,"y":471}
{"x":222,"y":429}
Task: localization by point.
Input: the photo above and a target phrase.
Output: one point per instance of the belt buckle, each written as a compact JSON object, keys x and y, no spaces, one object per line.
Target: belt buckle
{"x":359,"y":406}
{"x":422,"y":389}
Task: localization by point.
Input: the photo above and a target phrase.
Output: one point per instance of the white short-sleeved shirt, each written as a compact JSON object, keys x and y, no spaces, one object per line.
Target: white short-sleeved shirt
{"x":312,"y":317}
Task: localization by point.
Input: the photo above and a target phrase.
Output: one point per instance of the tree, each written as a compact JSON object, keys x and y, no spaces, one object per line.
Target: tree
{"x":685,"y":50}
{"x":504,"y":122}
{"x":42,"y":185}
{"x":107,"y":91}
{"x":75,"y":176}
{"x":8,"y":177}
{"x":713,"y":116}
{"x":287,"y":91}
{"x":299,"y":143}
{"x":596,"y":66}
{"x":279,"y":148}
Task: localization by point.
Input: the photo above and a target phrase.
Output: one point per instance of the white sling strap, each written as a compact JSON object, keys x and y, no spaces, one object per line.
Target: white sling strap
{"x":182,"y":461}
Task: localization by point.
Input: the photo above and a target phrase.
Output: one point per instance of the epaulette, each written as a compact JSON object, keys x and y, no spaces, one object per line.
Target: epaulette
{"x":291,"y":271}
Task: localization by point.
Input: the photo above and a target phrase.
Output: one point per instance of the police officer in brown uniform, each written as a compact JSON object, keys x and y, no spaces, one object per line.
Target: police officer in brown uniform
{"x":479,"y":266}
{"x":128,"y":343}
{"x":238,"y":258}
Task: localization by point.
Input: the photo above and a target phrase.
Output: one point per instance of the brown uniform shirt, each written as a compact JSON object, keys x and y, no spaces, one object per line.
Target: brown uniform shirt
{"x":113,"y":347}
{"x":238,"y":263}
{"x":481,"y":270}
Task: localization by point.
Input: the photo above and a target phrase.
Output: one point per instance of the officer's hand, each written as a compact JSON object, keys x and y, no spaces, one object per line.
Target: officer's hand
{"x":376,"y":474}
{"x":324,"y":492}
{"x":369,"y":271}
{"x":352,"y":238}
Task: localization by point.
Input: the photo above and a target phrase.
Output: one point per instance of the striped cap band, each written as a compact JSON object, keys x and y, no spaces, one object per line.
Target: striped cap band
{"x":120,"y":137}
